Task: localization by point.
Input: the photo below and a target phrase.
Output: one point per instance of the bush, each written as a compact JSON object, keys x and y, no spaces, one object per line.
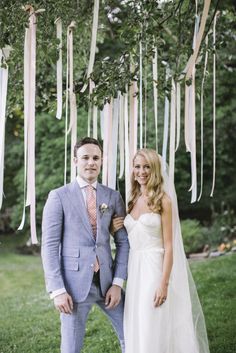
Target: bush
{"x":223,"y":228}
{"x":193,"y":236}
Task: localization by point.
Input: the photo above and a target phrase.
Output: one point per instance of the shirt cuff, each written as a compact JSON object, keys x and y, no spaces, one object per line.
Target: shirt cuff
{"x":57,"y":292}
{"x":118,"y":282}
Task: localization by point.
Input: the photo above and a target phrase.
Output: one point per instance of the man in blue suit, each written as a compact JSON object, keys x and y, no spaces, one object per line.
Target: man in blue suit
{"x":76,"y":253}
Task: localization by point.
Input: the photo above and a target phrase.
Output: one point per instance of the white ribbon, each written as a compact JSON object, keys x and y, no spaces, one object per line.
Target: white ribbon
{"x":166,"y":121}
{"x":172,"y":131}
{"x":93,"y":42}
{"x":105,"y":127}
{"x":155,"y":93}
{"x":58,"y":23}
{"x":113,"y":143}
{"x":29,"y":123}
{"x":127,"y":155}
{"x":214,"y":105}
{"x":140,"y":95}
{"x":4,"y":53}
{"x":121,"y":136}
{"x":133,"y":121}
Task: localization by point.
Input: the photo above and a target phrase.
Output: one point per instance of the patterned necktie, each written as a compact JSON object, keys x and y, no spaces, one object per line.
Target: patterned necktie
{"x":92,"y":213}
{"x":91,"y":207}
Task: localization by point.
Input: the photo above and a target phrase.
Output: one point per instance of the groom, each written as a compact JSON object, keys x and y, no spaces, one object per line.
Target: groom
{"x":76,"y":253}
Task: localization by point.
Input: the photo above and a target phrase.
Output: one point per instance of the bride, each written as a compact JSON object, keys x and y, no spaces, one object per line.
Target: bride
{"x":162,"y":311}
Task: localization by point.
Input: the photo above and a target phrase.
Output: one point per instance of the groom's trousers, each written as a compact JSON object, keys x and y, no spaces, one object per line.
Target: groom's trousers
{"x":73,"y":325}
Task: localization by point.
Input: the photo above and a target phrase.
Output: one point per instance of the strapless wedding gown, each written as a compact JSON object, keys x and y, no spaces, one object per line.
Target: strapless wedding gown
{"x":147,"y":329}
{"x":168,"y":328}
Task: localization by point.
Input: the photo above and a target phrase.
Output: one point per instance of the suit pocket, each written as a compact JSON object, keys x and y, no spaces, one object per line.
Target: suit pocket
{"x":70,"y":263}
{"x":70,"y":252}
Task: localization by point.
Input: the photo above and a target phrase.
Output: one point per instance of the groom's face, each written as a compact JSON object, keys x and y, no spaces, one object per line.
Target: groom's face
{"x":88,"y":162}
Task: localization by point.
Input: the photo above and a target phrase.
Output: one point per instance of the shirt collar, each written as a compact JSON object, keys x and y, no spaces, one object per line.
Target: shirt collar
{"x":82,"y":183}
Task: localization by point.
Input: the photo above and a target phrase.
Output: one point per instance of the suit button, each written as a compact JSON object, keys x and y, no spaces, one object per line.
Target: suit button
{"x":95,"y":247}
{"x":92,"y":265}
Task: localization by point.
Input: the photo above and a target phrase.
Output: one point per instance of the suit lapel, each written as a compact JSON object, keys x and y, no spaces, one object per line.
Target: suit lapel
{"x":76,"y":197}
{"x":103,"y":197}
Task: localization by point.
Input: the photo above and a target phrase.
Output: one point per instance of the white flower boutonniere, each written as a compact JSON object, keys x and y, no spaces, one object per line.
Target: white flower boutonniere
{"x":103,"y":208}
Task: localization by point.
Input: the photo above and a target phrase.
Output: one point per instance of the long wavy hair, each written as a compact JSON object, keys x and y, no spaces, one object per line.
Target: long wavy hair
{"x":154,"y":185}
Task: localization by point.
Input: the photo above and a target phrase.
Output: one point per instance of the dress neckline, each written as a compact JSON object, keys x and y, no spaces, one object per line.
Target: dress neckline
{"x":143,"y":214}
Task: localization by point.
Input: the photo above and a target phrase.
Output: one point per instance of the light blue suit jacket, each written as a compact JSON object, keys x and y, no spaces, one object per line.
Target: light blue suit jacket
{"x":69,"y":249}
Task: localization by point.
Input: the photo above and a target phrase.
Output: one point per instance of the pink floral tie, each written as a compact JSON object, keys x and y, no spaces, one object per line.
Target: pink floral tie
{"x":92,"y":213}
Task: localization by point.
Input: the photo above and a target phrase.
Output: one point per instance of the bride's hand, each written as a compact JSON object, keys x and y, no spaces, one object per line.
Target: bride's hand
{"x":116,"y":224}
{"x":160,"y":296}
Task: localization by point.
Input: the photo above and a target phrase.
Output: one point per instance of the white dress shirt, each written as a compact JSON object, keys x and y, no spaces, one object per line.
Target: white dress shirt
{"x":82,"y":183}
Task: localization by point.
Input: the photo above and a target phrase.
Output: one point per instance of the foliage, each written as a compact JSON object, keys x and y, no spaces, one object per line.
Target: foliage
{"x":30,"y":323}
{"x":193,"y":236}
{"x":223,"y":227}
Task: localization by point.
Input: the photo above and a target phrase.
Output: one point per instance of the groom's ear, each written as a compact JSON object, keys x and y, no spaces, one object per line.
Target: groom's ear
{"x":75,"y":159}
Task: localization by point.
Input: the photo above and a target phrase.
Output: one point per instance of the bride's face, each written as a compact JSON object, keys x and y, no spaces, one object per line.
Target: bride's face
{"x":141,"y":170}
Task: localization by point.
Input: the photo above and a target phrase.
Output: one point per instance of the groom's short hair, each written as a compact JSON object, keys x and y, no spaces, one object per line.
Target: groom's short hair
{"x":85,"y":141}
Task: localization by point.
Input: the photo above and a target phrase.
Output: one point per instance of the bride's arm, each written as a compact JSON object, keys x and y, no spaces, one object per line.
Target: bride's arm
{"x":166,"y":219}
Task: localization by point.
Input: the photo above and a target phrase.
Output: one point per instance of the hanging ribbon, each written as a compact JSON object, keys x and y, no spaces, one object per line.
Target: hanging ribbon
{"x":202,"y":115}
{"x":93,"y":42}
{"x":133,"y":119}
{"x":106,"y":129}
{"x":155,"y":93}
{"x":127,"y":155}
{"x":172,"y":131}
{"x":178,"y":113}
{"x":72,"y":98}
{"x":166,"y":120}
{"x":4,"y":53}
{"x":95,"y":122}
{"x":190,"y":116}
{"x":121,"y":135}
{"x":113,"y":145}
{"x":214,"y":104}
{"x":192,"y":60}
{"x":29,"y":122}
{"x":140,"y":95}
{"x":58,"y":23}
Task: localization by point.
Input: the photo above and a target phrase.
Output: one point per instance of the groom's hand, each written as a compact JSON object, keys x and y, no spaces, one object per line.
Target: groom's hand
{"x":64,"y":303}
{"x":113,"y":297}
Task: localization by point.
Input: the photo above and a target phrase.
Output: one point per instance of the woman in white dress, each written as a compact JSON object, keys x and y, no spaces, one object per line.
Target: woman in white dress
{"x":162,"y":310}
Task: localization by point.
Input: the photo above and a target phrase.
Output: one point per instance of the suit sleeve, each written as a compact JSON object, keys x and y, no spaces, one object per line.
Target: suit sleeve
{"x":52,"y":228}
{"x":121,"y":242}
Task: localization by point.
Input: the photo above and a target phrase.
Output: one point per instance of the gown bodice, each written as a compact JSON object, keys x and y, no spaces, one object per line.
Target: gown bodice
{"x":144,"y":233}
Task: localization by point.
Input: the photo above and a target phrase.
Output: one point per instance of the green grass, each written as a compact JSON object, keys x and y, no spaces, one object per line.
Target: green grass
{"x":29,"y":323}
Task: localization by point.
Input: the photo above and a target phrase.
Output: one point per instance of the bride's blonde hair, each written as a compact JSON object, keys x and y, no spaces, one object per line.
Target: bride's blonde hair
{"x":154,"y":185}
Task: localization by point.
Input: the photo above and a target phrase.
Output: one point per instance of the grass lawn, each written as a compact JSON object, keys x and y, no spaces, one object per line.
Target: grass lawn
{"x":29,"y":324}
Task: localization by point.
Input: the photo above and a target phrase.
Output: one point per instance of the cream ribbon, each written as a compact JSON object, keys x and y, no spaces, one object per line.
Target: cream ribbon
{"x":202,"y":115}
{"x":29,"y":122}
{"x":58,"y":23}
{"x":4,"y":53}
{"x":178,"y":114}
{"x":93,"y":42}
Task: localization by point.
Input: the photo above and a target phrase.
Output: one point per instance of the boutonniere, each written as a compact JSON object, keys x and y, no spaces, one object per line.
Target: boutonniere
{"x":103,"y":208}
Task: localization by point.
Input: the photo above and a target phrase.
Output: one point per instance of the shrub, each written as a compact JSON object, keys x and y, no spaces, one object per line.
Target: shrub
{"x":193,"y":236}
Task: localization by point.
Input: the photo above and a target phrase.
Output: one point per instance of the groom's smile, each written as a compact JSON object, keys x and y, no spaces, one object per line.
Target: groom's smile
{"x":88,"y":162}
